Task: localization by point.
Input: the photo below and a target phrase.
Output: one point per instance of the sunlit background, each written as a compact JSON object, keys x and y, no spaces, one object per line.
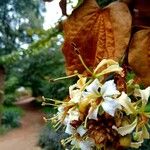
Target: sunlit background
{"x":53,"y":12}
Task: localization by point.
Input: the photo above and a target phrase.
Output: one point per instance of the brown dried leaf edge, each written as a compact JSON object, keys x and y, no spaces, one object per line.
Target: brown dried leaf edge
{"x":96,"y":33}
{"x":139,"y":55}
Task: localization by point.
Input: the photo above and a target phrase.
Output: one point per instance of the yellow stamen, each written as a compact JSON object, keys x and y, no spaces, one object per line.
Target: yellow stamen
{"x":49,"y":104}
{"x":62,"y":78}
{"x":53,"y":100}
{"x":83,"y":63}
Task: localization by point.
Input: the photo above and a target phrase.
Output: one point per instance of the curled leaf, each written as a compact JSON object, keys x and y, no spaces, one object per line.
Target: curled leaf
{"x":136,"y":144}
{"x":126,"y":129}
{"x":95,"y":34}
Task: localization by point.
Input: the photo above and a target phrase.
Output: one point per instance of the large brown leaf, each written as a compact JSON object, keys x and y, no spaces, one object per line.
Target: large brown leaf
{"x":139,"y":55}
{"x":96,"y":33}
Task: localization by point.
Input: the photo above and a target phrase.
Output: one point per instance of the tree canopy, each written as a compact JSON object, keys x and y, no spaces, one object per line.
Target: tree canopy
{"x":16,"y":17}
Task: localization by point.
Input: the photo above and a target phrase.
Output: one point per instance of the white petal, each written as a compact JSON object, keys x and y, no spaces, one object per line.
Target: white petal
{"x":109,"y":89}
{"x":103,"y":62}
{"x":136,"y":144}
{"x":73,"y":114}
{"x":125,"y":101}
{"x":92,"y":114}
{"x":81,"y":130}
{"x":75,"y":96}
{"x":86,"y":145}
{"x":66,"y":120}
{"x":112,"y":68}
{"x":144,"y":94}
{"x":126,"y":129}
{"x":93,"y":87}
{"x":71,"y":88}
{"x":110,"y":105}
{"x":69,"y":129}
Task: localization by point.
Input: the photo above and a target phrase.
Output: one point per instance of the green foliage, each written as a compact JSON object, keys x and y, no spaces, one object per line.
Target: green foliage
{"x":16,"y":16}
{"x":11,"y":117}
{"x":130,"y":75}
{"x":11,"y":84}
{"x":48,"y":111}
{"x":3,"y":129}
{"x":45,"y":40}
{"x":23,"y":92}
{"x":35,"y":69}
{"x":50,"y":139}
{"x":104,"y":3}
{"x":9,"y":99}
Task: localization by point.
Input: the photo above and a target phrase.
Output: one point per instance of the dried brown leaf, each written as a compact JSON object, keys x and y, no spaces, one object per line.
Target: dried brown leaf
{"x":96,"y":34}
{"x":139,"y":55}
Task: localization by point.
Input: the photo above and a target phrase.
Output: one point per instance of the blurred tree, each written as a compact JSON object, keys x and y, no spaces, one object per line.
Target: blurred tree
{"x":16,"y":16}
{"x":34,"y":66}
{"x":2,"y":78}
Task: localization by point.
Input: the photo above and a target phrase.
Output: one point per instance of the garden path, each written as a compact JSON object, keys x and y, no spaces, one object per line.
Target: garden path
{"x":25,"y":137}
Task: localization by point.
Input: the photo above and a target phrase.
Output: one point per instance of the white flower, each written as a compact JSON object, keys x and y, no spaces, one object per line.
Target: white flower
{"x":92,"y":114}
{"x":75,"y":90}
{"x":86,"y":144}
{"x":81,"y":130}
{"x":69,"y":129}
{"x":75,"y":94}
{"x":125,"y":102}
{"x":72,"y":115}
{"x":108,"y":91}
{"x":110,"y":105}
{"x":144,"y":94}
{"x":92,"y":89}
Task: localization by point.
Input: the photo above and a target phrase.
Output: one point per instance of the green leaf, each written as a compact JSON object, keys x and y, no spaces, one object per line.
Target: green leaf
{"x":147,"y":108}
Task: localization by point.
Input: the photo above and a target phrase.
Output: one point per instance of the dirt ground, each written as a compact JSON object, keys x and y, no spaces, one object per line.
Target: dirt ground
{"x":25,"y":137}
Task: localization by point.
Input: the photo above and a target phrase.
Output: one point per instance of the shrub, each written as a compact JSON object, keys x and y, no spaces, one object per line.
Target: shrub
{"x":3,"y":129}
{"x":11,"y":117}
{"x":9,"y":99}
{"x":50,"y":139}
{"x":11,"y":84}
{"x":23,"y":92}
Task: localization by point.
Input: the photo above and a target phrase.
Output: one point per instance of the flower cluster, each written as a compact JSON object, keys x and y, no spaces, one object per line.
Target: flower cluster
{"x":104,"y":111}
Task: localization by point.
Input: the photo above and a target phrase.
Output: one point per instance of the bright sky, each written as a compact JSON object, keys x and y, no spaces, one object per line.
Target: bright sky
{"x":53,"y":12}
